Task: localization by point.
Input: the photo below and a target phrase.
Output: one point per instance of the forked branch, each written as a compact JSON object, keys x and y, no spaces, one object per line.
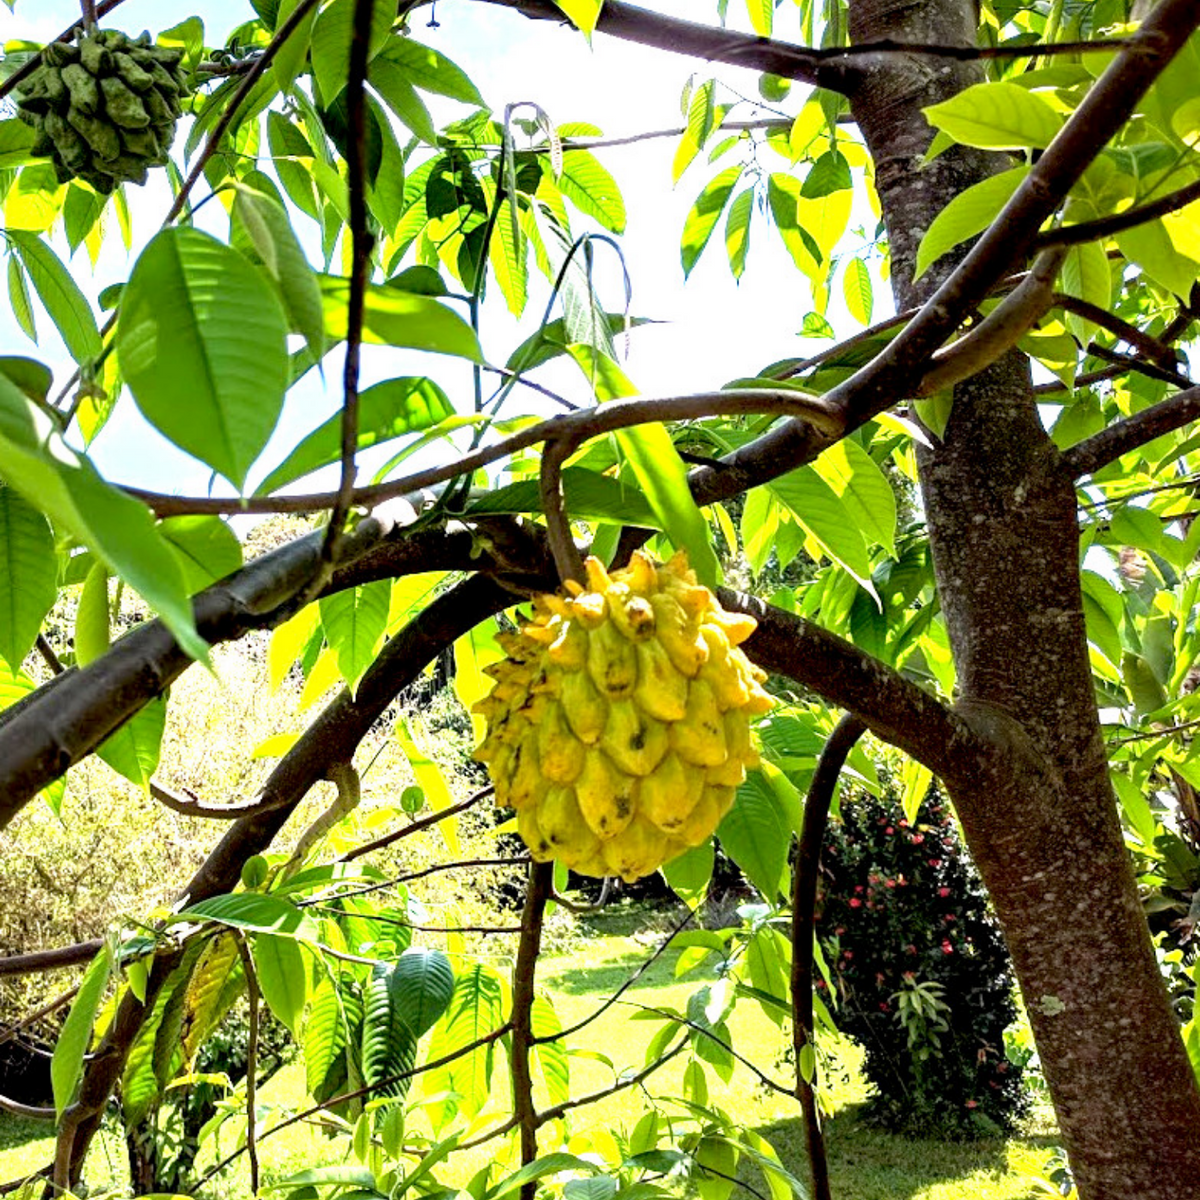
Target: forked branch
{"x":1109,"y":444}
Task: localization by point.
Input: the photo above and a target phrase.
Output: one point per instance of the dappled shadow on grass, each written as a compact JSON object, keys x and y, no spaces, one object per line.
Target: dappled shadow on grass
{"x":869,"y":1164}
{"x":17,"y":1131}
{"x":609,"y":974}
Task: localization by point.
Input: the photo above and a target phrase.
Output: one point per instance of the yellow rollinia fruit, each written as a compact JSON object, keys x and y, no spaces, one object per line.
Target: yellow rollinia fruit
{"x":560,"y":752}
{"x":669,"y":793}
{"x":661,"y":690}
{"x":605,"y":795}
{"x":700,"y":737}
{"x":619,"y":724}
{"x":635,"y":852}
{"x":634,"y":741}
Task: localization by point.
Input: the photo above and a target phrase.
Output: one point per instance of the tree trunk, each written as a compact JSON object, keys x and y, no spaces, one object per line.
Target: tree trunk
{"x":1039,"y":813}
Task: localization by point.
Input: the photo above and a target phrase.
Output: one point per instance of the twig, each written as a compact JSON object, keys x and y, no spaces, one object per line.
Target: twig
{"x":597,"y":1013}
{"x":1103,"y":227}
{"x":416,"y":827}
{"x":584,"y":424}
{"x":1166,"y":731}
{"x":29,"y":1111}
{"x":804,"y":904}
{"x":59,"y":1001}
{"x":360,"y":259}
{"x":50,"y":960}
{"x":1131,"y":362}
{"x":190,"y":805}
{"x":1123,"y":331}
{"x":1109,"y":444}
{"x":251,"y":1060}
{"x":558,"y":525}
{"x":541,"y":878}
{"x":48,"y":656}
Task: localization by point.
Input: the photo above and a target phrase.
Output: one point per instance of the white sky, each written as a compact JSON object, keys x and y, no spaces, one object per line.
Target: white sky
{"x":718,"y":329}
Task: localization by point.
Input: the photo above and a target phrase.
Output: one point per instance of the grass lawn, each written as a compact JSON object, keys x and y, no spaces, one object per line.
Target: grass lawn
{"x":579,"y":974}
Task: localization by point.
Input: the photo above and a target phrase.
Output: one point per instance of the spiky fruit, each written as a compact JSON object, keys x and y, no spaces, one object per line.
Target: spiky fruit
{"x":105,"y":110}
{"x":619,"y":723}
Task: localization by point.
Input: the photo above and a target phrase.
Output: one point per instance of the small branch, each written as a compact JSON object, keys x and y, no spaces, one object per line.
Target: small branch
{"x":804,"y":904}
{"x":88,"y":9}
{"x":48,"y":656}
{"x":360,"y":258}
{"x":541,"y":878}
{"x":1088,"y":456}
{"x":581,"y":425}
{"x":558,"y":525}
{"x":190,"y":805}
{"x":50,"y":960}
{"x":1158,"y":351}
{"x":1166,"y":731}
{"x":558,"y":1110}
{"x":29,"y":1111}
{"x":251,"y":1060}
{"x":1104,"y":227}
{"x":459,"y":865}
{"x":1130,"y":362}
{"x":59,"y":1001}
{"x":646,"y":964}
{"x":424,"y":823}
{"x":705,"y":1031}
{"x":18,"y":77}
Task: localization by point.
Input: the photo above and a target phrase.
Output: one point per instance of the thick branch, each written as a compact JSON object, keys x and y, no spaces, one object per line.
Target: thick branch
{"x":892,"y":707}
{"x":50,"y":960}
{"x":1109,"y":444}
{"x":804,"y":905}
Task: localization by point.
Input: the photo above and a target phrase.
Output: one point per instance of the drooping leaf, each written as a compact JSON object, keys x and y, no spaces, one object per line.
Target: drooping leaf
{"x":432,"y":71}
{"x":550,"y":1052}
{"x":354,"y":620}
{"x":863,"y":489}
{"x":737,"y":231}
{"x":705,"y":214}
{"x":589,"y":496}
{"x":19,"y":298}
{"x":819,"y":510}
{"x":60,"y":294}
{"x":755,"y":834}
{"x":392,"y":82}
{"x":331,"y":42}
{"x":205,"y":547}
{"x":255,"y":911}
{"x":282,"y":977}
{"x":28,"y":575}
{"x":63,"y":484}
{"x":857,"y":290}
{"x":66,"y":1067}
{"x":395,"y":318}
{"x":968,"y":213}
{"x":592,"y":189}
{"x":202,"y":344}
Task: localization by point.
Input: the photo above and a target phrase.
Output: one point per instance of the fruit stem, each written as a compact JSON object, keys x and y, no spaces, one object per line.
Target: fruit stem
{"x":88,"y":8}
{"x":567,"y":558}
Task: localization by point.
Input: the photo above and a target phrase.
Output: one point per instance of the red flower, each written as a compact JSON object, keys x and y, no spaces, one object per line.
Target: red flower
{"x":858,"y":887}
{"x":889,"y":883}
{"x":972,"y":1103}
{"x":840,"y":930}
{"x":943,"y":892}
{"x":947,"y":948}
{"x":911,"y":949}
{"x":889,"y":829}
{"x":847,"y":953}
{"x":935,"y":862}
{"x":855,"y":902}
{"x":884,"y":1006}
{"x":918,"y":838}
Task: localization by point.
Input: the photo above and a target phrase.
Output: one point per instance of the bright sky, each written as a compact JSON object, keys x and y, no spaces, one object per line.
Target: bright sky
{"x":718,"y":329}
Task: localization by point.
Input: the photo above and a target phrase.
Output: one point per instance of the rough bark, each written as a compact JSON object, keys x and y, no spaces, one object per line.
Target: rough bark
{"x":1038,"y":811}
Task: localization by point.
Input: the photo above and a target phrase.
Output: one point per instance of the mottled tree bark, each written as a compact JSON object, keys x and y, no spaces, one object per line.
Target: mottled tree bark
{"x":1038,"y":811}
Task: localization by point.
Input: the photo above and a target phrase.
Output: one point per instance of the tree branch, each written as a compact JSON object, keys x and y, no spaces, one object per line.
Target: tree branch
{"x":18,"y":77}
{"x":1088,"y":456}
{"x":50,"y":960}
{"x":1156,"y":350}
{"x":1105,"y":227}
{"x":804,"y":905}
{"x":251,"y":1059}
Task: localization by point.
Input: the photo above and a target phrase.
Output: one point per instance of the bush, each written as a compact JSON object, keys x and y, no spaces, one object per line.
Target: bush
{"x":921,"y":976}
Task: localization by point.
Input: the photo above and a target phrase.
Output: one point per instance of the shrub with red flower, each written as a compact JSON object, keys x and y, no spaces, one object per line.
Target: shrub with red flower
{"x":927,"y":919}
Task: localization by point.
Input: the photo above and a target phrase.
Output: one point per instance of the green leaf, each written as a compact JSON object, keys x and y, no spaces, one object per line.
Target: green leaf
{"x":705,"y":214}
{"x":386,"y":411}
{"x":552,"y":339}
{"x":133,"y":750}
{"x":548,"y":1164}
{"x":863,"y":489}
{"x":395,"y":318}
{"x":856,"y":287}
{"x":16,"y":140}
{"x":589,"y":496}
{"x":999,"y":116}
{"x":761,"y":14}
{"x":290,"y":151}
{"x":476,"y":1008}
{"x":737,"y":231}
{"x":969,"y":213}
{"x":28,"y":575}
{"x":689,"y":874}
{"x":264,"y":224}
{"x":81,"y":211}
{"x":205,"y":547}
{"x":783,"y":195}
{"x":255,"y":911}
{"x":60,"y":294}
{"x":392,"y":83}
{"x":821,"y":512}
{"x":65,"y":486}
{"x":701,"y":111}
{"x":590,"y":187}
{"x":756,"y":835}
{"x":324,"y":1033}
{"x":66,"y":1067}
{"x":19,"y":298}
{"x":1085,"y":274}
{"x":508,"y":251}
{"x":583,"y":14}
{"x":1150,"y":247}
{"x":331,"y":43}
{"x":202,"y":342}
{"x":550,"y":1055}
{"x":92,"y":636}
{"x":431,"y":71}
{"x":282,"y":977}
{"x":354,"y":620}
{"x":829,"y":174}
{"x":291,"y":56}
